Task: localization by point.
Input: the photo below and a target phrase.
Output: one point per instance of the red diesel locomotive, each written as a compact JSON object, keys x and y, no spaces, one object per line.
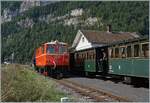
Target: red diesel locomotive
{"x":52,"y":58}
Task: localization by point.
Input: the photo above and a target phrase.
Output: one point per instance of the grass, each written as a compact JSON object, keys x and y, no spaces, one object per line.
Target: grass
{"x":22,"y":84}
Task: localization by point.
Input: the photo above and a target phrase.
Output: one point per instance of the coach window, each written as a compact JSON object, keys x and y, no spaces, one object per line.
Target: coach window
{"x":77,"y":56}
{"x":94,"y":55}
{"x":111,"y":52}
{"x":117,"y":52}
{"x":123,"y":52}
{"x":89,"y":55}
{"x":80,"y":55}
{"x":145,"y":50}
{"x":129,"y":52}
{"x":136,"y":50}
{"x":84,"y":55}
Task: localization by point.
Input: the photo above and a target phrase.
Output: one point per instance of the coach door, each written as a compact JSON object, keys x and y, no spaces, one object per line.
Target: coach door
{"x":72,"y":60}
{"x":102,"y":60}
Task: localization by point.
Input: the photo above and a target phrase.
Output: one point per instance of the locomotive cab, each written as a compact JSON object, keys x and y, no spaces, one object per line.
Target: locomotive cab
{"x":52,"y":57}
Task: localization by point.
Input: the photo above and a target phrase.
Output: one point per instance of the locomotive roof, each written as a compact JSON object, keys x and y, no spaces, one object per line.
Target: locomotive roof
{"x":56,"y":42}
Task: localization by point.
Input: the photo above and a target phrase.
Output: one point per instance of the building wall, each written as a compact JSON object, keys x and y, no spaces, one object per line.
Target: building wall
{"x":83,"y":43}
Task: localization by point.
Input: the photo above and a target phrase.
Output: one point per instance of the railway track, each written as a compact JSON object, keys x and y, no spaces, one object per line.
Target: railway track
{"x":97,"y":95}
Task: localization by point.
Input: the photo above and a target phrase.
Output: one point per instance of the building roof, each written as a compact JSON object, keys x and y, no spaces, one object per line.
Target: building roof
{"x":103,"y":37}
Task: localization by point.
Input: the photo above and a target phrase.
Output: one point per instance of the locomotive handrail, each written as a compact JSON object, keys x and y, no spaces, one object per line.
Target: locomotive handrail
{"x":54,"y":64}
{"x":52,"y":60}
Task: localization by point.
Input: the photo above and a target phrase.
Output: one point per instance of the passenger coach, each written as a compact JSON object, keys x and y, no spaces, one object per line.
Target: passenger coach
{"x":90,"y":50}
{"x":130,"y":59}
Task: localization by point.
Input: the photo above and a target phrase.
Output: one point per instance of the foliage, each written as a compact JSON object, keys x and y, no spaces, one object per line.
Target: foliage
{"x":21,"y":84}
{"x":13,"y":5}
{"x":129,"y":16}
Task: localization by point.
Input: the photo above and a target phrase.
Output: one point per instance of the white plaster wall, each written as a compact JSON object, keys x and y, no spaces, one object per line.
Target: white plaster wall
{"x":83,"y":45}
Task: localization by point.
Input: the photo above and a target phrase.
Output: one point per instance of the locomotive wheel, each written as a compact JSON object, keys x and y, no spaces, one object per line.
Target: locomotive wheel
{"x":59,"y":76}
{"x":37,"y":69}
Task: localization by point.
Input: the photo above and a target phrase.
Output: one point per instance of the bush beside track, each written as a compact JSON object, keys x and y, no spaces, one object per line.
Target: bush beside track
{"x":20,"y":83}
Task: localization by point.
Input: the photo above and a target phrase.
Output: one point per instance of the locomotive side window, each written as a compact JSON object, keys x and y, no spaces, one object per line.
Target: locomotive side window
{"x":50,"y":49}
{"x":117,"y":52}
{"x":145,"y":50}
{"x":42,"y":48}
{"x":62,"y":49}
{"x":136,"y":50}
{"x":129,"y":52}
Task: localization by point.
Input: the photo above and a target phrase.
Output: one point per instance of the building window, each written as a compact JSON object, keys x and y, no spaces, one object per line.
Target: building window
{"x":145,"y":50}
{"x":129,"y":52}
{"x":136,"y":50}
{"x":82,"y":39}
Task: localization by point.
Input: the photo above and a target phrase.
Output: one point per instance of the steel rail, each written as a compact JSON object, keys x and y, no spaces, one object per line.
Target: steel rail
{"x":96,"y":94}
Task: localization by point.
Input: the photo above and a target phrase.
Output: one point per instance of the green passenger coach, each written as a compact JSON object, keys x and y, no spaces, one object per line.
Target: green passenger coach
{"x":91,"y":61}
{"x":130,"y":59}
{"x":111,"y":54}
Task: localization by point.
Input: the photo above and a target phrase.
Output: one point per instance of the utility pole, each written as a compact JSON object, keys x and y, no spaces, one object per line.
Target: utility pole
{"x":12,"y":57}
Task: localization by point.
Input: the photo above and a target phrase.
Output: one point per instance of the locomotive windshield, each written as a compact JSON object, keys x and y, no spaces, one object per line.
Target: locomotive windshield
{"x":56,"y":49}
{"x":50,"y":49}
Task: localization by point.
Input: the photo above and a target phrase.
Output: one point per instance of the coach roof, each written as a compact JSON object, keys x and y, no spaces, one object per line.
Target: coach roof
{"x":108,"y":37}
{"x":101,"y":38}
